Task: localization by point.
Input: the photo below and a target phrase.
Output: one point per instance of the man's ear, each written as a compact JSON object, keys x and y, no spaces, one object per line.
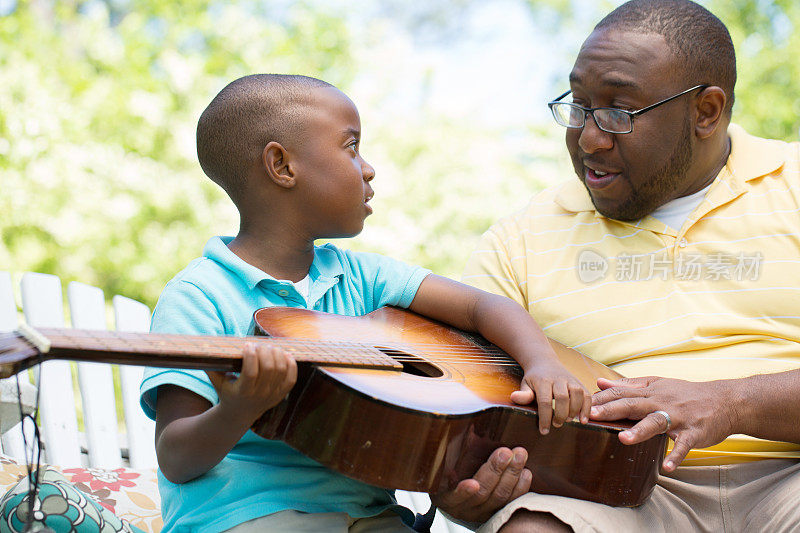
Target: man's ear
{"x":710,"y":111}
{"x":275,"y":160}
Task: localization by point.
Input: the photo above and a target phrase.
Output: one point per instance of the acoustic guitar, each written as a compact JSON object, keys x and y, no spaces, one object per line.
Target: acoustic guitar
{"x":390,"y":398}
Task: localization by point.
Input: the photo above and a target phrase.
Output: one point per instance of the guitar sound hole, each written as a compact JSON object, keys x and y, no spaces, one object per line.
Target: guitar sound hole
{"x":413,"y":364}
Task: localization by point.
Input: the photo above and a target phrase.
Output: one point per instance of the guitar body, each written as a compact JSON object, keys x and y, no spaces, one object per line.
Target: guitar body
{"x":433,"y":424}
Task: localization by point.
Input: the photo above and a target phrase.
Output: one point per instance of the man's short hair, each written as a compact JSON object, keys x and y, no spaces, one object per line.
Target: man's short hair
{"x":243,"y":118}
{"x":697,"y":38}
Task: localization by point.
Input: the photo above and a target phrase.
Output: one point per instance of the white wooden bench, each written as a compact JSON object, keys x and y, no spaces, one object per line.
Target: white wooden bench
{"x":102,"y":444}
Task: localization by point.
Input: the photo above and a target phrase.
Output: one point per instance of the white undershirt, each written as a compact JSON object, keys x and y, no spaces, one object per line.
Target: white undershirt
{"x":675,"y":213}
{"x":302,"y":286}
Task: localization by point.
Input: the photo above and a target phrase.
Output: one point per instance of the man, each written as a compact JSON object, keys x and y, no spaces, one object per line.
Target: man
{"x":674,"y":255}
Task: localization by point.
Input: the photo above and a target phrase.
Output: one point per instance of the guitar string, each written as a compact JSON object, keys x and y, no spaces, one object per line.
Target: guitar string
{"x":476,"y":358}
{"x":365,"y":358}
{"x":322,"y":360}
{"x":235,"y":348}
{"x":235,"y":344}
{"x":232,"y":346}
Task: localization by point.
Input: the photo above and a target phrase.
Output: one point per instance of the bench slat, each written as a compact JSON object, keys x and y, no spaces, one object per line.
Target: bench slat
{"x":11,"y":442}
{"x":43,"y":306}
{"x":87,"y":307}
{"x":130,"y":315}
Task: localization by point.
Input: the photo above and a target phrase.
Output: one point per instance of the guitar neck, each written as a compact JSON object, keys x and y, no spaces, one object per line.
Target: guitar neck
{"x":175,"y":351}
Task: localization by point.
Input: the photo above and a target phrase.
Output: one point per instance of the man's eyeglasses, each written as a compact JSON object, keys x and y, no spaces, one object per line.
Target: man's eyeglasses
{"x":609,"y":119}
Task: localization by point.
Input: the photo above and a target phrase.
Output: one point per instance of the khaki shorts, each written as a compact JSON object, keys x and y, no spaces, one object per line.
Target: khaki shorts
{"x":297,"y":522}
{"x":757,"y":496}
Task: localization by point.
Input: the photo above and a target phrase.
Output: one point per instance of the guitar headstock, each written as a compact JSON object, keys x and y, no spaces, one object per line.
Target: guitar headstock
{"x":16,"y":353}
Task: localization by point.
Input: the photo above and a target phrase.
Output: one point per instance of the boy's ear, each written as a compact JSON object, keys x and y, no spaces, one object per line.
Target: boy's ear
{"x":275,"y":160}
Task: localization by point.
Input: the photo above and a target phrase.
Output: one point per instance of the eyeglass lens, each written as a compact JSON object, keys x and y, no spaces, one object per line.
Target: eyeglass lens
{"x":610,"y":120}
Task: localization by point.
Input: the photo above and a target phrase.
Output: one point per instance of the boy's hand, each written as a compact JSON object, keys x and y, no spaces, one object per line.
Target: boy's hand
{"x":559,"y":395}
{"x":268,"y":374}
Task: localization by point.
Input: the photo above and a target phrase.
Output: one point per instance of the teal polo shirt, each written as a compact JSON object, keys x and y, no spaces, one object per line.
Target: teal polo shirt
{"x":217,"y":294}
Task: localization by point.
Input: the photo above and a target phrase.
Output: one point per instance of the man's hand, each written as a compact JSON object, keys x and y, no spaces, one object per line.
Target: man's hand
{"x":502,"y":478}
{"x":701,"y":413}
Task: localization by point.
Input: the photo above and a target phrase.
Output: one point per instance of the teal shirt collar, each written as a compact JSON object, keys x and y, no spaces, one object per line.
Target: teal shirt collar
{"x":324,"y":272}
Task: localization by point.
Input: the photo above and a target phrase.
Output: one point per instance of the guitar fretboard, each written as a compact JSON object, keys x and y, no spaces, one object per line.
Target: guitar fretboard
{"x":202,"y":352}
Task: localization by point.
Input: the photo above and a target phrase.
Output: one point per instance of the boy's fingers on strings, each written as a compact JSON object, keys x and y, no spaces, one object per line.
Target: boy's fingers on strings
{"x":544,"y":405}
{"x":280,"y":370}
{"x":580,"y":402}
{"x":561,"y":404}
{"x":249,"y":365}
{"x":270,"y":368}
{"x":291,"y":375}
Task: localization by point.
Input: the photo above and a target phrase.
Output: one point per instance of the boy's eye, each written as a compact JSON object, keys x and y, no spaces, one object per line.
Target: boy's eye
{"x":353,"y":145}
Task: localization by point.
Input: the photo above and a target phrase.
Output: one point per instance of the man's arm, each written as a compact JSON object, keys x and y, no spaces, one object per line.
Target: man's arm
{"x":702,"y":413}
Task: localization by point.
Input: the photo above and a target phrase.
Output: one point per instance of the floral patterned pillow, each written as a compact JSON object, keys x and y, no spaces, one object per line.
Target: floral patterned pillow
{"x":130,"y":495}
{"x":58,"y":506}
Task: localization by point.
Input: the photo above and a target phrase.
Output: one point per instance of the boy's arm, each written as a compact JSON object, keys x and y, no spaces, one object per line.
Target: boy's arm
{"x":506,"y":324}
{"x":192,"y":436}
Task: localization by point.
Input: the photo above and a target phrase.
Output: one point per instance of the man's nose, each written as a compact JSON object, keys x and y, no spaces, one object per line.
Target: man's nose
{"x":592,"y":139}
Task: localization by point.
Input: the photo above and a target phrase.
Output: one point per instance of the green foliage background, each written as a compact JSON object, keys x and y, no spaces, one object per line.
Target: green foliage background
{"x":99,"y":100}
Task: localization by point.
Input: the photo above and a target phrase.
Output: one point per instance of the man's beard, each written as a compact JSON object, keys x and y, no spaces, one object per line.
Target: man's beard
{"x":659,"y":187}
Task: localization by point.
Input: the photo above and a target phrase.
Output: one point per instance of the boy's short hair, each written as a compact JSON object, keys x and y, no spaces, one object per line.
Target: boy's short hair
{"x":243,"y":118}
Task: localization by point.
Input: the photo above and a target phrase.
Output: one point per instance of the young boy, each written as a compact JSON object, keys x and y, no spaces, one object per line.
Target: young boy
{"x":286,"y":151}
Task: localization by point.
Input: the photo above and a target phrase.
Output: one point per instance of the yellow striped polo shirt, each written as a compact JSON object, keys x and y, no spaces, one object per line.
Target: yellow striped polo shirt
{"x":718,"y":298}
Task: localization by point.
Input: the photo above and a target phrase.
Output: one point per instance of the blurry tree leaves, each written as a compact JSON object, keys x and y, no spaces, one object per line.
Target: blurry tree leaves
{"x":766,"y":34}
{"x":98,"y":173}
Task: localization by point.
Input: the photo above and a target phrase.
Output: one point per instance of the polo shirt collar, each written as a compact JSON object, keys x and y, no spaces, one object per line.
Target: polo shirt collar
{"x":574,"y":197}
{"x":753,"y":157}
{"x":324,"y":267}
